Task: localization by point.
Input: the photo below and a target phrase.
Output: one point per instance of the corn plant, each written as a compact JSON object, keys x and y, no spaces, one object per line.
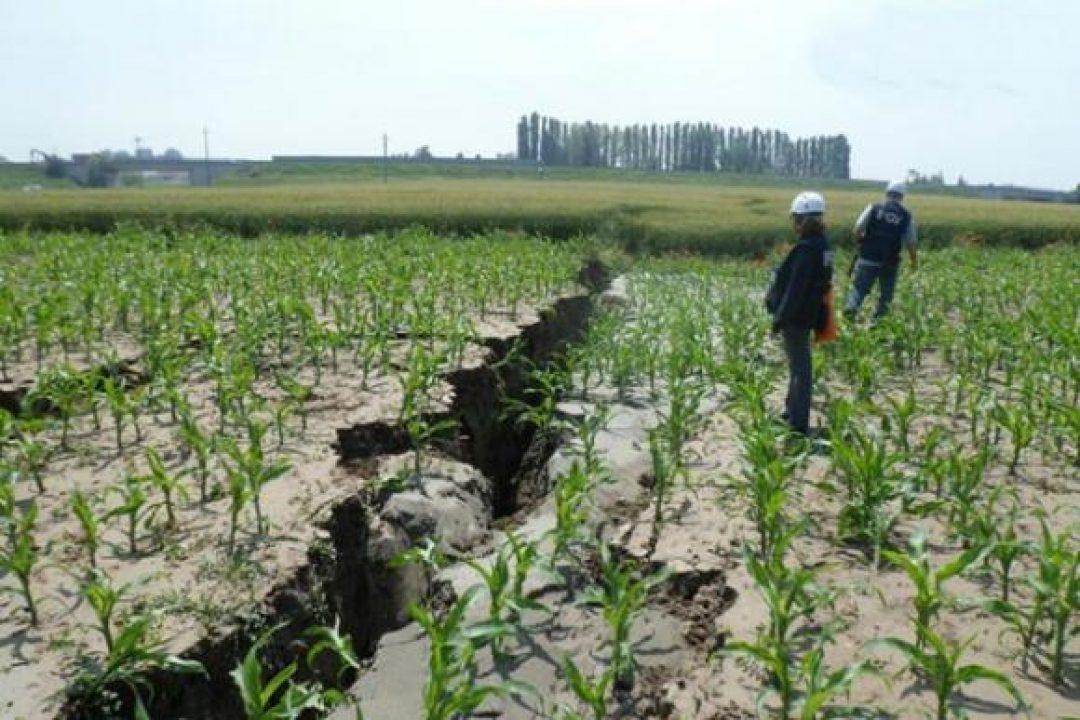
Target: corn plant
{"x":298,"y":395}
{"x":1057,"y":589}
{"x":544,"y":387}
{"x":996,"y":533}
{"x":61,"y":388}
{"x":506,"y":600}
{"x":621,"y":596}
{"x":571,"y":513}
{"x":903,"y":411}
{"x":135,"y":506}
{"x":663,"y":477}
{"x":451,"y":689}
{"x":169,"y":484}
{"x":965,"y":477}
{"x":764,"y":483}
{"x":873,"y":490}
{"x":805,"y":686}
{"x":248,"y":474}
{"x":278,"y":698}
{"x":592,"y":692}
{"x":1020,"y":424}
{"x":21,"y":557}
{"x":417,"y":384}
{"x":32,"y":456}
{"x":939,"y":665}
{"x":119,"y":404}
{"x":201,"y":444}
{"x":90,"y":524}
{"x":790,"y":596}
{"x":134,"y":654}
{"x":930,"y":596}
{"x":103,"y":598}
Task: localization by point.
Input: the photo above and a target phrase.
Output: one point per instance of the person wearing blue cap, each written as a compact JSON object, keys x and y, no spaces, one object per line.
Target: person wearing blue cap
{"x":796,"y":302}
{"x":882,"y":230}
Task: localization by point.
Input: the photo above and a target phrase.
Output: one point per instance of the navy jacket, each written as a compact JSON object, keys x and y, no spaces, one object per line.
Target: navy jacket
{"x":885,"y":229}
{"x":796,"y":296}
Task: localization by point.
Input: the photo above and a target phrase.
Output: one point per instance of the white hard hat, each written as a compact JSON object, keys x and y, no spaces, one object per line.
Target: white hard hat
{"x":808,"y":203}
{"x":896,"y":186}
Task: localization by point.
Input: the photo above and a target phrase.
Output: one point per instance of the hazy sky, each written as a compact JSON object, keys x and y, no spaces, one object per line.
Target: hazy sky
{"x":986,"y":88}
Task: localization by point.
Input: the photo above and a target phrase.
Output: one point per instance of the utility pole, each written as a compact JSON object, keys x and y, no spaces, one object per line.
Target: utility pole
{"x":206,"y":153}
{"x":385,"y":158}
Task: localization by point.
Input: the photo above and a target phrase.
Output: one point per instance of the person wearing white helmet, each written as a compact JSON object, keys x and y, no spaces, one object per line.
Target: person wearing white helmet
{"x":796,"y":302}
{"x":882,"y":230}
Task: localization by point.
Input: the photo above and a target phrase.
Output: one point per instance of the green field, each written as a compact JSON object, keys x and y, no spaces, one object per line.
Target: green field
{"x":648,"y":215}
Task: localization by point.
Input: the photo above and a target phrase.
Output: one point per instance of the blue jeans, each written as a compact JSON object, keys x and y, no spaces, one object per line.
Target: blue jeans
{"x":865,"y":275}
{"x":800,"y":377}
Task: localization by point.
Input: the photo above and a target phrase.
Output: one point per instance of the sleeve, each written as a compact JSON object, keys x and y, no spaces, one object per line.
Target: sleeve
{"x":864,"y":218}
{"x":793,"y":294}
{"x":911,"y":236}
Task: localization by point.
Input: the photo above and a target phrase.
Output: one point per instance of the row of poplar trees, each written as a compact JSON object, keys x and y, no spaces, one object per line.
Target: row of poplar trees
{"x":701,"y":147}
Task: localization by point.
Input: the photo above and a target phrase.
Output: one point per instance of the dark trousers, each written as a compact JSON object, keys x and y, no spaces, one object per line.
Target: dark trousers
{"x":865,"y":275}
{"x":800,"y":377}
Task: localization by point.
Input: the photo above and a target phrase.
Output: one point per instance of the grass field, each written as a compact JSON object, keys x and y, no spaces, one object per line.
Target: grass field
{"x":648,"y":215}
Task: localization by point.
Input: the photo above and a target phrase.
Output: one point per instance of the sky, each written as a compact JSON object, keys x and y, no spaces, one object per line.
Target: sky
{"x":987,"y":89}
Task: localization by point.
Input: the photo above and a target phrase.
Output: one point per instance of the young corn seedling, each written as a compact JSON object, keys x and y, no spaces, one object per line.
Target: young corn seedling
{"x":103,"y":598}
{"x":90,"y":524}
{"x":506,"y":601}
{"x":279,"y":698}
{"x":930,"y":596}
{"x":965,"y":477}
{"x":417,"y":384}
{"x":169,"y":484}
{"x":805,"y":687}
{"x":135,"y":506}
{"x":819,"y":686}
{"x":873,"y":489}
{"x":663,"y":478}
{"x":62,"y":388}
{"x":1020,"y":424}
{"x":791,"y":597}
{"x":592,"y":692}
{"x":1057,"y":589}
{"x":903,"y":411}
{"x":133,"y":656}
{"x":586,"y":433}
{"x":298,"y":395}
{"x":940,"y":665}
{"x":249,"y":465}
{"x":996,"y":533}
{"x":32,"y":456}
{"x":621,"y":597}
{"x":764,"y":483}
{"x":117,"y":399}
{"x":20,"y":558}
{"x":571,"y":513}
{"x":201,"y":444}
{"x":451,"y":689}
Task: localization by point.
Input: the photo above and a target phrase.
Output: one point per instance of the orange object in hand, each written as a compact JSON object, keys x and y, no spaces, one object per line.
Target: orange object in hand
{"x":829,"y":331}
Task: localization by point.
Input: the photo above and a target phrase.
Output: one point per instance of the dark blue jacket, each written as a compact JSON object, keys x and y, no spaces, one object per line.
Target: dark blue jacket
{"x":796,"y":296}
{"x":885,"y":230}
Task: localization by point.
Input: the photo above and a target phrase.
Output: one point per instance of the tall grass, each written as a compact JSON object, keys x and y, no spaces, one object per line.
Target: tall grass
{"x":648,"y":216}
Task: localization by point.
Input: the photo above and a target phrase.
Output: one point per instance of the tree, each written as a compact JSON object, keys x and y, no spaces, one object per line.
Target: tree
{"x":172,"y":155}
{"x":54,"y":166}
{"x":100,"y":170}
{"x":423,"y":153}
